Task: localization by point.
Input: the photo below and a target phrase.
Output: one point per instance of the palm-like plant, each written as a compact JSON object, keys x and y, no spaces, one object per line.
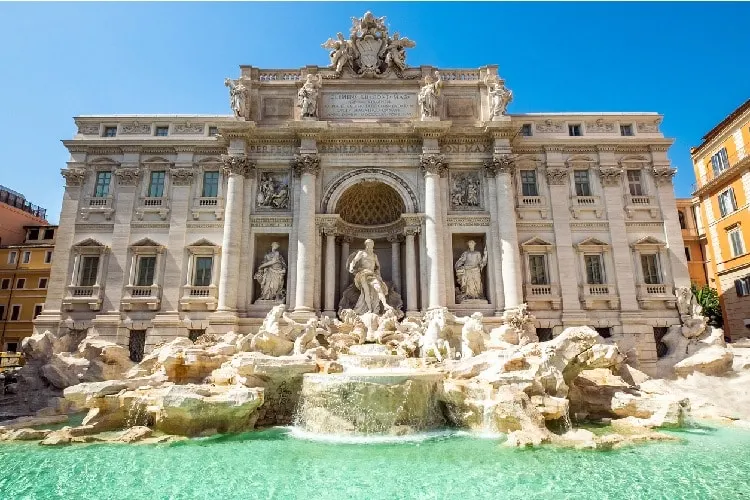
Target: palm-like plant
{"x":708,"y":298}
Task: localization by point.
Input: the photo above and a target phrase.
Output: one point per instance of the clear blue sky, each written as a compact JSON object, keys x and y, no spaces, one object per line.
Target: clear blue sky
{"x":688,"y":61}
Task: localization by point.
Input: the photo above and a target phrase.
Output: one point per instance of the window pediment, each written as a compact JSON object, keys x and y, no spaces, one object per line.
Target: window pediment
{"x":89,"y":242}
{"x":634,"y":161}
{"x":104,"y":162}
{"x":147,"y":246}
{"x":537,"y":244}
{"x":648,"y":243}
{"x":204,"y":247}
{"x":580,"y":161}
{"x":593,"y":245}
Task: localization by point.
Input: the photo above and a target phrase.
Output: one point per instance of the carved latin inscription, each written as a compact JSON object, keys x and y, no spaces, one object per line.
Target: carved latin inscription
{"x":369,"y":105}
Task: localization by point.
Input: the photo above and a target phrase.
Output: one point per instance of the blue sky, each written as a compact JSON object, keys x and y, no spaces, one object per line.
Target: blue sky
{"x":688,"y":61}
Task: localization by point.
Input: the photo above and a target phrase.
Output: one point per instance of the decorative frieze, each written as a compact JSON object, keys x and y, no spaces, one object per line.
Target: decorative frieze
{"x":237,"y":164}
{"x":127,"y":176}
{"x":88,"y":128}
{"x":188,"y":128}
{"x":468,"y":220}
{"x":205,"y":225}
{"x":433,"y":163}
{"x":73,"y":176}
{"x":306,"y":164}
{"x":466,"y":189}
{"x":610,"y":175}
{"x":600,"y":127}
{"x":270,"y":221}
{"x":557,"y":176}
{"x":550,"y":127}
{"x":181,"y":176}
{"x":135,"y":128}
{"x":95,"y":228}
{"x":648,"y":128}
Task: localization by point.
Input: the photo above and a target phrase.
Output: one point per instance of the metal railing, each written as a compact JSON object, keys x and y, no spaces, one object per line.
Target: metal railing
{"x":17,"y":200}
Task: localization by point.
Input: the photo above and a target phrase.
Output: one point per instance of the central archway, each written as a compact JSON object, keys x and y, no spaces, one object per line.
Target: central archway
{"x":336,"y":190}
{"x":370,"y":203}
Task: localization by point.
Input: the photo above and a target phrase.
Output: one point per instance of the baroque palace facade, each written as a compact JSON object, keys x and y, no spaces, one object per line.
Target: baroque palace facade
{"x":177,"y":225}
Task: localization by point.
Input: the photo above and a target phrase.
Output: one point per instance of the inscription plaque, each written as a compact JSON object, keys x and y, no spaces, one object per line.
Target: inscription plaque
{"x":368,"y":105}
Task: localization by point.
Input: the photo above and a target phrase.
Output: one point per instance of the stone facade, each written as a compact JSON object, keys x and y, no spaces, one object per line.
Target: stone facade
{"x":568,"y":207}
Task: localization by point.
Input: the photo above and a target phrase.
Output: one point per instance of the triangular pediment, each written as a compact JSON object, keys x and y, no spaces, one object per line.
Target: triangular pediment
{"x":89,"y":242}
{"x":146,"y":242}
{"x":104,"y":161}
{"x":203,"y":242}
{"x":536,"y":242}
{"x":592,"y":242}
{"x":649,"y":241}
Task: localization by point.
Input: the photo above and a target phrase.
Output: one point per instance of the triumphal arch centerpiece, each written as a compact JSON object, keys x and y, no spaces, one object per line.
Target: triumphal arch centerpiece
{"x":369,"y":184}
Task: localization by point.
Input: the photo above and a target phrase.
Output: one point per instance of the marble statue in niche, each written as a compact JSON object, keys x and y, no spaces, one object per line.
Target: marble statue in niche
{"x":271,"y":274}
{"x":469,"y":275}
{"x":428,"y":96}
{"x":273,"y":191}
{"x":465,"y":191}
{"x":365,"y":267}
{"x":307,"y":97}
{"x":238,"y":97}
{"x":500,"y":96}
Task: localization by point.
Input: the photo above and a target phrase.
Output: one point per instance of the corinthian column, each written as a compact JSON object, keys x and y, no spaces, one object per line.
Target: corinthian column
{"x":395,"y":240}
{"x":330,"y":278}
{"x":344,"y":272}
{"x":236,"y":168}
{"x":306,"y":167}
{"x":501,"y":168}
{"x":433,"y":166}
{"x":411,"y":270}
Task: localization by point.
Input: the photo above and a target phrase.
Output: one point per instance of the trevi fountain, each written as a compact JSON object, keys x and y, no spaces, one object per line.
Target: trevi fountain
{"x":380,"y":398}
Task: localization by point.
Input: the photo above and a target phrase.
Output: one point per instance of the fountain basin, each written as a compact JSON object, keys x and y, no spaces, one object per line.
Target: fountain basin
{"x":370,"y":402}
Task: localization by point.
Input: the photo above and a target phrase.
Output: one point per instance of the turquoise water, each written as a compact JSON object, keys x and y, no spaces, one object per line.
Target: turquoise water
{"x":273,"y":464}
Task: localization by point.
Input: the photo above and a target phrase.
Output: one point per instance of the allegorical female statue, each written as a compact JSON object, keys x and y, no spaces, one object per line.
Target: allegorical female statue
{"x":428,"y":96}
{"x":237,"y":97}
{"x":469,"y":274}
{"x":307,"y":97}
{"x":270,"y":275}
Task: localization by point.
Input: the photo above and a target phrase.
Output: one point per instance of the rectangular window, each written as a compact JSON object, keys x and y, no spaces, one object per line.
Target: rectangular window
{"x":594,"y":269}
{"x":528,"y":183}
{"x":526,"y":130}
{"x":213,"y":131}
{"x":210,"y":184}
{"x":38,"y":310}
{"x":574,"y":130}
{"x":735,"y":241}
{"x":21,"y":283}
{"x":727,"y":202}
{"x":110,"y":131}
{"x":156,"y":184}
{"x":49,"y":234}
{"x":161,"y":131}
{"x":89,"y":270}
{"x":742,"y":286}
{"x":101,"y":189}
{"x":26,"y":257}
{"x":2,"y":312}
{"x":12,"y":256}
{"x":583,"y":186}
{"x":720,"y":161}
{"x":33,"y":234}
{"x":15,"y":312}
{"x":203,"y":267}
{"x":538,"y":270}
{"x":5,"y":284}
{"x":146,"y":271}
{"x":48,"y":256}
{"x":634,"y":183}
{"x":650,"y":266}
{"x":42,"y":283}
{"x":626,"y":130}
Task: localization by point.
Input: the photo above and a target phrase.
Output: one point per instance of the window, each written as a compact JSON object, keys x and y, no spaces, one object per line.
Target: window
{"x":42,"y":283}
{"x":594,"y":269}
{"x":137,"y":345}
{"x":735,"y":241}
{"x":742,"y":286}
{"x":12,"y":256}
{"x":210,"y":184}
{"x":156,"y":185}
{"x":727,"y":202}
{"x":526,"y":130}
{"x":161,"y":131}
{"x":681,"y":217}
{"x":605,"y":332}
{"x":15,"y":312}
{"x":11,"y":347}
{"x":720,"y":161}
{"x":538,"y":270}
{"x":528,"y":183}
{"x":38,"y":310}
{"x":213,"y":131}
{"x":49,"y":234}
{"x":89,"y":270}
{"x":202,"y":276}
{"x":146,"y":271}
{"x":5,"y":284}
{"x":626,"y":130}
{"x":26,"y":257}
{"x":101,"y":190}
{"x":634,"y":183}
{"x":21,"y":283}
{"x":2,"y":312}
{"x":110,"y":131}
{"x":650,"y":266}
{"x":574,"y":130}
{"x":33,"y":234}
{"x":687,"y":253}
{"x":48,"y":256}
{"x":583,"y":186}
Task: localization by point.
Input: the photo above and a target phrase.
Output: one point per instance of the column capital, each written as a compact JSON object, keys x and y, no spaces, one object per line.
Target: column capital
{"x":306,"y":164}
{"x":500,"y":164}
{"x":237,"y":164}
{"x":610,"y":175}
{"x":411,"y":230}
{"x":433,"y":163}
{"x":395,"y":238}
{"x":342,"y":238}
{"x":663,"y":175}
{"x":73,"y":176}
{"x":557,"y":176}
{"x":181,"y":176}
{"x":127,"y":176}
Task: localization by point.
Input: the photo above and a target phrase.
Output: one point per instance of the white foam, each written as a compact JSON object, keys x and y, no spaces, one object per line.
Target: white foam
{"x":299,"y":433}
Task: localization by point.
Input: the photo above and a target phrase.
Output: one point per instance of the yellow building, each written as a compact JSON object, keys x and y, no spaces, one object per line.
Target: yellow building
{"x":695,"y":250}
{"x":722,"y":170}
{"x":24,"y":275}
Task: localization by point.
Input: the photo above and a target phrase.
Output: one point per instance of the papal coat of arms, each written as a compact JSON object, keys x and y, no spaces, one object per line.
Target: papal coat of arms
{"x":369,"y":52}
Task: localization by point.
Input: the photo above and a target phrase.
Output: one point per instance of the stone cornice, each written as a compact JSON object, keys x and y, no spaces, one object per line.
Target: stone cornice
{"x":306,"y":164}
